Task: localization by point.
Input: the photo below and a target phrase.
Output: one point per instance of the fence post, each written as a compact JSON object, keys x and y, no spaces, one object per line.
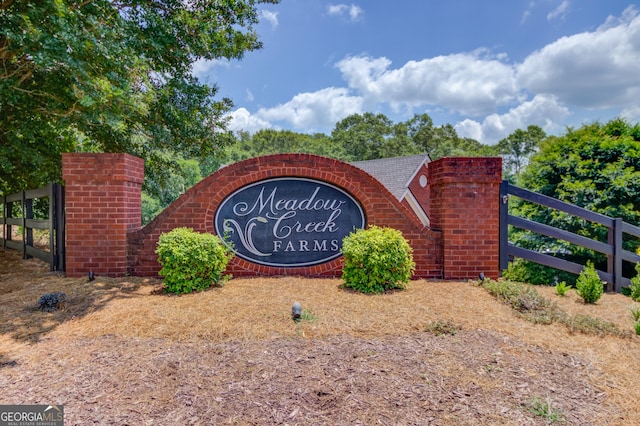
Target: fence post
{"x":4,"y":222}
{"x":504,"y":227}
{"x":58,"y":222}
{"x":617,"y":254}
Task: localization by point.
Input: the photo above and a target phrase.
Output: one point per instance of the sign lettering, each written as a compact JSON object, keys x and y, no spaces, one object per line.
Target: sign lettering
{"x":288,"y":222}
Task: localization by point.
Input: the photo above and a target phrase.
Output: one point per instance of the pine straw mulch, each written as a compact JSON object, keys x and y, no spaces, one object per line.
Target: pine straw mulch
{"x":441,"y":353}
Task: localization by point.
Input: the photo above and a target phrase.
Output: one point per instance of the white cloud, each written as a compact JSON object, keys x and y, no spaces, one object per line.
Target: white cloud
{"x":271,"y":17}
{"x":527,"y":12}
{"x":202,"y":67}
{"x":544,"y":111}
{"x":591,"y":70}
{"x":353,"y":10}
{"x":241,"y":119}
{"x":314,"y":111}
{"x":467,"y":83}
{"x":559,"y":12}
{"x":632,"y":113}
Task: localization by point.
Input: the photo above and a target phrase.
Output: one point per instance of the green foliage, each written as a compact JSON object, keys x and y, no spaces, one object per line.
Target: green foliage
{"x":588,"y":285}
{"x":635,"y":313}
{"x":517,"y":148}
{"x":269,"y":141}
{"x":376,"y":259}
{"x":191,"y":261}
{"x":535,"y":308}
{"x":150,"y":208}
{"x":159,"y":192}
{"x":442,"y":328}
{"x":589,"y":325}
{"x":596,"y":167}
{"x":105,"y":76}
{"x":637,"y":328}
{"x":307,"y":315}
{"x":562,"y":288}
{"x":634,"y":287}
{"x":524,"y":271}
{"x":544,"y":408}
{"x":525,"y":299}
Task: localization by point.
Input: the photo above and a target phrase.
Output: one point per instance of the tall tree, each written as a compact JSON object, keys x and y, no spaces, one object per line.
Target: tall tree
{"x":516,"y":149}
{"x":112,"y":76}
{"x":363,"y":137}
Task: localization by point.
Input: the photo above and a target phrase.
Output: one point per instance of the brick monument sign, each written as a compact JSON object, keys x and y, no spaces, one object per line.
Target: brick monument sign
{"x":286,"y":214}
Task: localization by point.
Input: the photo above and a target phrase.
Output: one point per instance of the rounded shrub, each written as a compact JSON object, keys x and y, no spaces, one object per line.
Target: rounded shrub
{"x":588,"y":285}
{"x":376,"y":259}
{"x":191,"y":261}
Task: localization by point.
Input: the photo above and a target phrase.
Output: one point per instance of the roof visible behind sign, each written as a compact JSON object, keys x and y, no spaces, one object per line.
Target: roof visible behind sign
{"x":394,"y":173}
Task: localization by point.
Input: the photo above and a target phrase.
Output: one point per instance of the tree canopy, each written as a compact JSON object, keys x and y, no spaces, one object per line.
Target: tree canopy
{"x":596,"y":167}
{"x":112,"y":76}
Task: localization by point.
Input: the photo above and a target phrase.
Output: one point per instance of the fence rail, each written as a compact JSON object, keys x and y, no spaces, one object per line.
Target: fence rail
{"x":612,"y":249}
{"x":55,"y":224}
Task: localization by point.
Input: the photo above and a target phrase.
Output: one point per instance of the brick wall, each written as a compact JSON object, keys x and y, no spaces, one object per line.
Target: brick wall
{"x":464,"y":195}
{"x":102,"y":205}
{"x":103,"y":213}
{"x":196,"y":209}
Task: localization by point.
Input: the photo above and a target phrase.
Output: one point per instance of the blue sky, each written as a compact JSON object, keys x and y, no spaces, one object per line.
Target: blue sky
{"x":486,"y":67}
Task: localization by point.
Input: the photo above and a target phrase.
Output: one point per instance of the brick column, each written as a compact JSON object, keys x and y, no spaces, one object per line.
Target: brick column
{"x":102,"y":204}
{"x":464,"y":195}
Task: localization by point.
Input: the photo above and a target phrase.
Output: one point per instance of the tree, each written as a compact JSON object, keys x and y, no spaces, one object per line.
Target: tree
{"x":596,"y":167}
{"x":112,"y":76}
{"x":363,"y":137}
{"x":516,"y":149}
{"x":269,"y":141}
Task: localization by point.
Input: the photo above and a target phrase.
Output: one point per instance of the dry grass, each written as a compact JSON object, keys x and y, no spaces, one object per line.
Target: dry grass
{"x":488,"y":369}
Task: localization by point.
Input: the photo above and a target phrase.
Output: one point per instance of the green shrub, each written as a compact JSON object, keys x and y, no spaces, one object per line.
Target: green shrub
{"x":588,"y":285}
{"x":589,"y":325}
{"x":525,"y":299}
{"x":191,"y":261}
{"x":634,"y":287}
{"x":525,"y":271}
{"x":562,"y":288}
{"x":376,"y":259}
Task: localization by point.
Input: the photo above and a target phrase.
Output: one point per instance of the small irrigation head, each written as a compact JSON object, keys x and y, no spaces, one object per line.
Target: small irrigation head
{"x":296,"y":310}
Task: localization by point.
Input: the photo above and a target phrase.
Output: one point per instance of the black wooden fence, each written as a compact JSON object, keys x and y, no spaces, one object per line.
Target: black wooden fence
{"x":17,"y":210}
{"x":612,"y":249}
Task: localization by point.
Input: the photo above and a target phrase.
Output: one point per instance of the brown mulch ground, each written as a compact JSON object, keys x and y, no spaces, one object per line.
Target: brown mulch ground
{"x":441,"y":353}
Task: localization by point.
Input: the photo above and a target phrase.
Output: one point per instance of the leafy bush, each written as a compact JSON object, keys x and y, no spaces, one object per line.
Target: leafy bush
{"x":588,"y":285}
{"x":634,"y":287}
{"x":376,"y":259}
{"x":191,"y":261}
{"x":525,"y":299}
{"x":587,"y":324}
{"x":525,"y":271}
{"x":562,"y":288}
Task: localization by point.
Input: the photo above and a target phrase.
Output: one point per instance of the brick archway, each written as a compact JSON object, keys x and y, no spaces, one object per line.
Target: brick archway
{"x":197,"y":207}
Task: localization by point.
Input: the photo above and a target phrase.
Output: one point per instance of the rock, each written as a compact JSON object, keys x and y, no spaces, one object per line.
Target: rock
{"x":52,"y":301}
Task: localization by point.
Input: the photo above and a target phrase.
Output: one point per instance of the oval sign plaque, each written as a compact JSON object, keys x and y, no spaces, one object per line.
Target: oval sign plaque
{"x":288,"y":222}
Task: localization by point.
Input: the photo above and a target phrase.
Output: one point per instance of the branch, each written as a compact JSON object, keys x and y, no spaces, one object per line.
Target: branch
{"x":6,"y":4}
